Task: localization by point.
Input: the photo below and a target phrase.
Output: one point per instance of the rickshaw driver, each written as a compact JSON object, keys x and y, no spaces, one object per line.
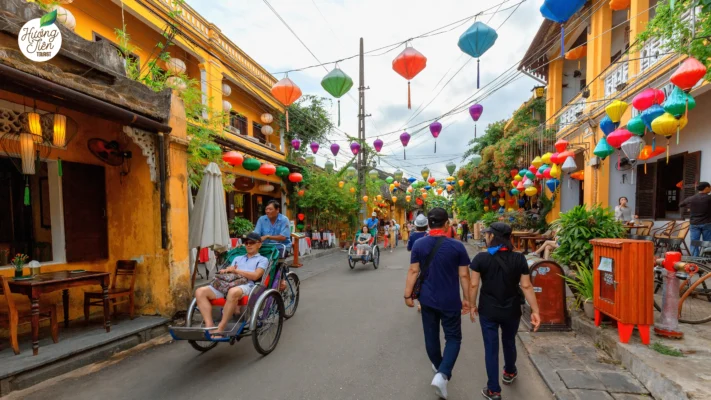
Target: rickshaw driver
{"x":251,"y":266}
{"x":274,"y":226}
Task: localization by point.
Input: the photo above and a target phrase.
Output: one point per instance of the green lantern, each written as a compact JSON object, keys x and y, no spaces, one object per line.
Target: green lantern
{"x":251,"y":164}
{"x":212,"y":148}
{"x":425,"y":173}
{"x":350,"y":172}
{"x":329,"y":166}
{"x":373,"y":174}
{"x":300,"y":226}
{"x":451,"y":167}
{"x":282,"y":171}
{"x":389,"y":180}
{"x":398,"y":175}
{"x":337,"y":83}
{"x":310,"y":159}
{"x":476,"y":160}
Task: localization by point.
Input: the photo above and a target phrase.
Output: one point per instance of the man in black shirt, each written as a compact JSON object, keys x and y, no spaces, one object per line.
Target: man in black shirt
{"x":700,"y":205}
{"x":502,"y":272}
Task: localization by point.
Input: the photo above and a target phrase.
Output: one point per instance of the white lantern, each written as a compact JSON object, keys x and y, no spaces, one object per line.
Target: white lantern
{"x":27,"y":153}
{"x":226,"y":105}
{"x":65,"y":17}
{"x":175,"y":66}
{"x":226,"y":89}
{"x":569,"y":165}
{"x":266,"y":187}
{"x":267,"y":130}
{"x":229,"y":179}
{"x":176,"y":83}
{"x":59,"y":133}
{"x":632,"y":147}
{"x":527,"y":183}
{"x":267,"y":118}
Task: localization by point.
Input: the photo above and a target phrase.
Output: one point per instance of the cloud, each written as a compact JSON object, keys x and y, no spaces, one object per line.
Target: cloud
{"x":332,"y":29}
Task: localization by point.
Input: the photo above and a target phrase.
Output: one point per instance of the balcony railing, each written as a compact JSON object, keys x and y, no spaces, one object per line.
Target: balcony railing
{"x":656,"y":48}
{"x":616,"y":78}
{"x":572,"y":113}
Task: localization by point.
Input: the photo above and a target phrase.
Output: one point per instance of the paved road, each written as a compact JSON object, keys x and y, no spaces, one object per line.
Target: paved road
{"x":351,"y":338}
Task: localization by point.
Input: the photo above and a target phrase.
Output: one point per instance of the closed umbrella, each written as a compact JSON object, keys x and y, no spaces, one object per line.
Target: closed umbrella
{"x":208,"y":222}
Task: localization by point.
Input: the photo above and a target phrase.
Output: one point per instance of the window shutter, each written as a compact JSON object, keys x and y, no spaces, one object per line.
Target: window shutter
{"x":645,"y":198}
{"x":691,"y":177}
{"x":85,"y":222}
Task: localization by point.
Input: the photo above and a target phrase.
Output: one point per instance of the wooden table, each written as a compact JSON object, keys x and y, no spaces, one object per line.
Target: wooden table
{"x":527,"y":239}
{"x":60,"y":280}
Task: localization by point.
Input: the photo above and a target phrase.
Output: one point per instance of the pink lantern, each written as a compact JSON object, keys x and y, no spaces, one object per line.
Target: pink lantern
{"x":335,"y":148}
{"x":296,"y":144}
{"x":314,"y":147}
{"x":404,"y":139}
{"x":616,"y":138}
{"x":378,"y":144}
{"x":648,"y":98}
{"x":435,"y":129}
{"x":547,"y":173}
{"x":533,"y":169}
{"x":475,"y":112}
{"x":355,"y":148}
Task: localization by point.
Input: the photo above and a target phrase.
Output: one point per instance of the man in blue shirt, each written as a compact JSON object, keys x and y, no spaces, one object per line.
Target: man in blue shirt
{"x":439,"y":295}
{"x":420,"y":231}
{"x":372,"y":224}
{"x":274,"y":227}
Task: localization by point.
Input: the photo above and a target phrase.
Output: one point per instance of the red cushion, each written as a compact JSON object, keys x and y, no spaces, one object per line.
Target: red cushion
{"x":204,"y":255}
{"x":221,"y":302}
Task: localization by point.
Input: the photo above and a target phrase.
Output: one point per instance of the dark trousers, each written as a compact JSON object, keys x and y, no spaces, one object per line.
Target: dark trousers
{"x":490,"y":332}
{"x":452,"y":325}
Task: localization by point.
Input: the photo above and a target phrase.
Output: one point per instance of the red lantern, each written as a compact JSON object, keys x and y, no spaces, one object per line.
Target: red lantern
{"x":512,"y":201}
{"x":539,"y":175}
{"x":533,"y":169}
{"x":520,"y":187}
{"x":495,"y":207}
{"x":295,"y":177}
{"x":555,"y":158}
{"x":565,"y":154}
{"x":486,"y":201}
{"x":431,"y":180}
{"x":513,"y":172}
{"x":233,"y":158}
{"x":267,"y":169}
{"x":419,"y":201}
{"x":408,"y":64}
{"x":616,"y":138}
{"x":688,"y":74}
{"x":547,"y":173}
{"x":561,"y":145}
{"x":301,"y":192}
{"x":301,"y":216}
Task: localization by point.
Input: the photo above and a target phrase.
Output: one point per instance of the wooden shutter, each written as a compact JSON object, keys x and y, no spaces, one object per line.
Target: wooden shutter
{"x":645,"y":199}
{"x":85,"y":223}
{"x":691,"y":177}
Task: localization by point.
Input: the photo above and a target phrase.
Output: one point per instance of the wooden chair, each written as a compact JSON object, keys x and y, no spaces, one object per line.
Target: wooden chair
{"x":663,"y":231}
{"x":124,"y":268}
{"x":679,"y":232}
{"x":648,"y":224}
{"x":15,"y":317}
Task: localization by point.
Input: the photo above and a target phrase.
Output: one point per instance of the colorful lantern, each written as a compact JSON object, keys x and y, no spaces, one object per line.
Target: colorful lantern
{"x":636,"y":126}
{"x":518,"y":178}
{"x":408,"y":64}
{"x":328,"y":166}
{"x":537,"y":162}
{"x":515,"y":192}
{"x":486,"y":208}
{"x":560,"y":11}
{"x":287,"y":93}
{"x":648,"y":116}
{"x":555,"y":171}
{"x":341,"y":184}
{"x":617,"y":5}
{"x":391,"y":187}
{"x":607,"y":126}
{"x":689,"y":73}
{"x":398,"y":174}
{"x":439,"y":191}
{"x":475,"y":41}
{"x":435,"y":130}
{"x":632,"y":148}
{"x":616,"y":110}
{"x":397,"y":184}
{"x":267,"y":169}
{"x":561,"y":145}
{"x":335,"y":148}
{"x":547,"y":173}
{"x":603,"y":149}
{"x":295,"y":177}
{"x":233,"y":158}
{"x":351,"y":172}
{"x":460,"y":182}
{"x":475,"y":112}
{"x":411,"y":180}
{"x":520,"y":187}
{"x":451,"y":167}
{"x":365,"y":199}
{"x":282,"y":171}
{"x":389,"y":179}
{"x":267,"y":118}
{"x":337,"y":83}
{"x":378,"y":145}
{"x":569,"y":165}
{"x":616,"y":138}
{"x":648,"y":153}
{"x":555,"y":158}
{"x":404,"y":139}
{"x":647,"y":98}
{"x":666,"y":125}
{"x":373,"y":174}
{"x":679,"y":103}
{"x":431,"y":180}
{"x":352,"y":190}
{"x":251,"y":164}
{"x":296,"y":144}
{"x":314,"y":147}
{"x":450,"y":179}
{"x":502,"y":202}
{"x":425,"y":173}
{"x":530,"y":175}
{"x":579,"y":175}
{"x":531,"y":191}
{"x":532,"y":168}
{"x":355,"y":148}
{"x":527,"y":183}
{"x":577,"y":53}
{"x":553,"y":184}
{"x":379,"y":198}
{"x":301,"y":192}
{"x":449,"y":188}
{"x":394,"y":199}
{"x":542,"y":168}
{"x":546,"y":158}
{"x":301,"y":216}
{"x":310,"y":159}
{"x":476,"y":160}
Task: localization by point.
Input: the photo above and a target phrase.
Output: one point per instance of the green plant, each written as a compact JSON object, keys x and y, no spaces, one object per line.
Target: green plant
{"x":581,"y":284}
{"x":240,"y":226}
{"x":489,"y":218}
{"x":577,"y":227}
{"x":666,"y":350}
{"x":19,"y":261}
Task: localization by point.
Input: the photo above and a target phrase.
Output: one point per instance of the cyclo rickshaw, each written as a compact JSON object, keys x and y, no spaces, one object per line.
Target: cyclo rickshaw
{"x":274,"y":299}
{"x":372,"y":256}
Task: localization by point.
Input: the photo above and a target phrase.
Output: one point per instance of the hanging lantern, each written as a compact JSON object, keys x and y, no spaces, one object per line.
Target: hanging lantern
{"x":616,"y":110}
{"x":648,"y":153}
{"x":337,"y":83}
{"x":617,"y":5}
{"x":515,"y":192}
{"x":295,"y":177}
{"x":560,"y":11}
{"x":419,"y":201}
{"x":537,"y":162}
{"x":517,"y":177}
{"x":404,"y":139}
{"x":460,"y":182}
{"x":530,"y":175}
{"x":607,"y":126}
{"x":27,"y":153}
{"x":531,"y":191}
{"x":431,"y":180}
{"x":296,"y":144}
{"x":365,"y":199}
{"x":301,"y":216}
{"x":226,"y":106}
{"x":355,"y":148}
{"x":648,"y":116}
{"x":352,"y":190}
{"x":435,"y":130}
{"x":647,"y":98}
{"x":408,"y":198}
{"x":328,"y":166}
{"x":394,"y":199}
{"x":233,"y":158}
{"x":527,"y":183}
{"x":351,"y":172}
{"x":314,"y":147}
{"x":475,"y":41}
{"x":176,"y":83}
{"x":486,"y":208}
{"x":373,"y":174}
{"x":555,"y":171}
{"x":476,"y":160}
{"x":59,"y":130}
{"x":251,"y":164}
{"x":475,"y":112}
{"x":267,"y":169}
{"x":282,"y":171}
{"x":616,"y":138}
{"x":579,"y":175}
{"x":409,"y":189}
{"x":532,"y":169}
{"x":397,"y":184}
{"x":439,"y":191}
{"x":450,"y":179}
{"x":636,"y":126}
{"x":666,"y":125}
{"x":513,"y":172}
{"x":561,"y":145}
{"x":310,"y":159}
{"x":335,"y":148}
{"x":451,"y":167}
{"x":378,"y":145}
{"x":266,"y":118}
{"x":577,"y":53}
{"x":542,"y":168}
{"x":632,"y":148}
{"x":34,"y":126}
{"x":398,"y":175}
{"x":425,"y":173}
{"x":389,"y":179}
{"x":379,"y":198}
{"x":408,"y":64}
{"x":555,"y":158}
{"x":177,"y":66}
{"x":553,"y":185}
{"x":547,"y":173}
{"x":226,"y":89}
{"x":391,"y":187}
{"x":301,"y":193}
{"x":411,"y":180}
{"x":603,"y":149}
{"x":502,"y":202}
{"x":679,"y":103}
{"x":341,"y":184}
{"x":267,"y":130}
{"x":546,"y":158}
{"x":266,"y":187}
{"x":287,"y":93}
{"x":689,"y":73}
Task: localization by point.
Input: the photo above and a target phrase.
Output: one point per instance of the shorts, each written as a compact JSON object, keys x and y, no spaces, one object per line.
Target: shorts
{"x":246,"y":289}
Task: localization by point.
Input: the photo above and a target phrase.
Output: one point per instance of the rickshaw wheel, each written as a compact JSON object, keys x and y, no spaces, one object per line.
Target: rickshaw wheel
{"x":291,"y":295}
{"x":194,"y":319}
{"x":376,"y":257}
{"x":270,"y":317}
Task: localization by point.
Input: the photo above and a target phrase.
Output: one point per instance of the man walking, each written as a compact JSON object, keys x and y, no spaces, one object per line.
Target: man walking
{"x":700,"y":205}
{"x":439,"y":264}
{"x":504,"y":274}
{"x":465,"y":231}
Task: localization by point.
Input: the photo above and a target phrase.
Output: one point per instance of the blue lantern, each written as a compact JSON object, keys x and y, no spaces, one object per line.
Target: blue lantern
{"x":560,"y":11}
{"x":411,"y":180}
{"x":607,"y":126}
{"x":521,"y":202}
{"x":476,"y":41}
{"x":553,"y":184}
{"x":428,"y":187}
{"x":651,"y":114}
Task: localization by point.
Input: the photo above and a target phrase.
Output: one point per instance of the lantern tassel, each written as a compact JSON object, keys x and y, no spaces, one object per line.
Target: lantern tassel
{"x":339,"y":112}
{"x":677,"y":134}
{"x":632,"y":181}
{"x":287,"y":119}
{"x":409,"y":97}
{"x":477,"y":73}
{"x":59,"y":167}
{"x":435,"y":146}
{"x":654,"y":143}
{"x":645,"y":167}
{"x":27,"y":191}
{"x":475,"y":130}
{"x":667,"y":151}
{"x":562,"y":40}
{"x":404,"y":154}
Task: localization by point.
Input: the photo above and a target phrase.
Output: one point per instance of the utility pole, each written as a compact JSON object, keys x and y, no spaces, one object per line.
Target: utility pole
{"x":362,"y":158}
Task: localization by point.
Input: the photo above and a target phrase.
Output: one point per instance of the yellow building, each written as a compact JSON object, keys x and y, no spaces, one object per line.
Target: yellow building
{"x":578,"y":90}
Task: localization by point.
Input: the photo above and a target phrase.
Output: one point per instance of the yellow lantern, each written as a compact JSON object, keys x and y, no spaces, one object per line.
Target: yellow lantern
{"x":392,"y":186}
{"x":424,"y":196}
{"x":461,"y":182}
{"x":352,"y":190}
{"x":379,"y":197}
{"x":546,"y":158}
{"x":539,"y":91}
{"x":555,"y":171}
{"x":408,"y":198}
{"x":450,"y":179}
{"x":486,"y":208}
{"x":59,"y":136}
{"x":537,"y":162}
{"x":340,"y":184}
{"x":502,"y":202}
{"x":518,"y":178}
{"x":509,"y":209}
{"x":531,"y":191}
{"x":666,"y":125}
{"x":27,"y":153}
{"x":616,"y":110}
{"x":35,"y":126}
{"x":365,"y":199}
{"x":394,"y":199}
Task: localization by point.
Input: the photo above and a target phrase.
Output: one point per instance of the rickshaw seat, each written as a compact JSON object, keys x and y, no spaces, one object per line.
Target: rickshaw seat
{"x":221,"y":302}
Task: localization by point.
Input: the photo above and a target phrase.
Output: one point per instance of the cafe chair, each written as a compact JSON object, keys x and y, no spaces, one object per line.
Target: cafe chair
{"x":647,"y":224}
{"x":125,"y":269}
{"x":664,"y":231}
{"x":15,"y":317}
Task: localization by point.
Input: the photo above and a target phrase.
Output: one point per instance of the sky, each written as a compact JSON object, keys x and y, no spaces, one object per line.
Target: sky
{"x":332,"y":28}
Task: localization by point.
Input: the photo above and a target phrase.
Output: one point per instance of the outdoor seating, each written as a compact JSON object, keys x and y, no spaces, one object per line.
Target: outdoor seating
{"x":15,"y":316}
{"x":648,"y":224}
{"x":663,"y":245}
{"x":663,"y":231}
{"x":680,"y":231}
{"x":125,"y":269}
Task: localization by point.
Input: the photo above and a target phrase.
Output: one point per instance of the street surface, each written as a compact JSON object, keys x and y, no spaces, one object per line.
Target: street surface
{"x":352,"y":338}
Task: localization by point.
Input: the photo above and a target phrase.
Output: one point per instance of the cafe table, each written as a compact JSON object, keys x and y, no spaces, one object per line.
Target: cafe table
{"x":55,"y":281}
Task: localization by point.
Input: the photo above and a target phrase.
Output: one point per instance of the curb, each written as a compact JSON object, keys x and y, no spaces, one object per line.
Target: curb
{"x":546,"y":371}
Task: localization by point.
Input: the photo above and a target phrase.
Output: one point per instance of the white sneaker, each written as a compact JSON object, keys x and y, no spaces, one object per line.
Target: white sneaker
{"x":439,"y":382}
{"x":434,"y":368}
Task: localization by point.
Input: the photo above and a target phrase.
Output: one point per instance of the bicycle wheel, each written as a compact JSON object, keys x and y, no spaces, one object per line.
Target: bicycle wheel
{"x":685,"y":285}
{"x":695,"y":303}
{"x":291,"y":295}
{"x":194,"y":318}
{"x":270,"y":317}
{"x":376,"y":257}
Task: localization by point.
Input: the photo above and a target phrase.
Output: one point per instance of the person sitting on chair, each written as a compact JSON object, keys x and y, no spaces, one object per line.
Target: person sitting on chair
{"x":251,"y":266}
{"x":547,"y":248}
{"x":364,"y":236}
{"x":274,"y":227}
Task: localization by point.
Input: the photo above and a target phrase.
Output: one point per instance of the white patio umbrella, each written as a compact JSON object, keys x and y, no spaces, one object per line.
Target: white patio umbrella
{"x":208,"y":220}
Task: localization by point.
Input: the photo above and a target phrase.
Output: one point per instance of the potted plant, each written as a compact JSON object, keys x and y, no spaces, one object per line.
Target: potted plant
{"x":19,"y":262}
{"x":582,"y":285}
{"x":577,"y":227}
{"x":240,"y":226}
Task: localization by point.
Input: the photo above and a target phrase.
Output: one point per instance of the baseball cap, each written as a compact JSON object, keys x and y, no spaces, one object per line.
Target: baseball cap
{"x":437,"y":216}
{"x":252,"y":236}
{"x":421,"y":221}
{"x":498,"y":229}
{"x":374,"y":214}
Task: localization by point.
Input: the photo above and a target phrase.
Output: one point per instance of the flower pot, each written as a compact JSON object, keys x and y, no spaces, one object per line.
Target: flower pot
{"x":18,"y":273}
{"x":589,"y":309}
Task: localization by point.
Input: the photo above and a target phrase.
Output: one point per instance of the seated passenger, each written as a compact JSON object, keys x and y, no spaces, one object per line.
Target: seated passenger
{"x":362,"y":241}
{"x":250,"y":266}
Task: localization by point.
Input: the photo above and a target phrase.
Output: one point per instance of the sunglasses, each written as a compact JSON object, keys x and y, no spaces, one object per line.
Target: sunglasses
{"x":250,"y":242}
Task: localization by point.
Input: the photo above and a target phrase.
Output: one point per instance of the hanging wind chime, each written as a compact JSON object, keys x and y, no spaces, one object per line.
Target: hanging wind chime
{"x":408,"y":64}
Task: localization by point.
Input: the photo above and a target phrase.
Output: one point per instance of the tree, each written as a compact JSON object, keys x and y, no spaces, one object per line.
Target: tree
{"x":309,"y":121}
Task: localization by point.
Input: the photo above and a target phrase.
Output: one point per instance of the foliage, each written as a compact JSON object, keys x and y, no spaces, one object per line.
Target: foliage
{"x":240,"y":226}
{"x":577,"y":227}
{"x":309,"y":121}
{"x":677,"y":34}
{"x":663,"y":349}
{"x":582,"y":283}
{"x":433,"y":201}
{"x":468,"y":208}
{"x":489,"y":218}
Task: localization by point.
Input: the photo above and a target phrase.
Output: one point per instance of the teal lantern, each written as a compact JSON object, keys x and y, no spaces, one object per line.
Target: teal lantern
{"x":398,"y":175}
{"x":451,"y":167}
{"x":329,"y":166}
{"x":282,"y":171}
{"x":389,"y":180}
{"x":475,"y":41}
{"x":603,"y":149}
{"x":636,"y":126}
{"x":679,"y":103}
{"x":251,"y":164}
{"x":337,"y":83}
{"x":476,"y":160}
{"x":530,"y":175}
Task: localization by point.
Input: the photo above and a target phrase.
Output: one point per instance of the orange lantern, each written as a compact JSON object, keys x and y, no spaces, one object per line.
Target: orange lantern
{"x":461,"y":182}
{"x":301,"y":192}
{"x":617,"y":5}
{"x":352,"y":190}
{"x":340,"y":184}
{"x":365,"y":199}
{"x":379,"y":197}
{"x":397,"y":184}
{"x":424,"y":196}
{"x":394,"y":199}
{"x":287,"y":93}
{"x":408,"y":198}
{"x":578,"y":175}
{"x":439,"y":191}
{"x":580,"y":51}
{"x":408,"y":64}
{"x":449,"y":187}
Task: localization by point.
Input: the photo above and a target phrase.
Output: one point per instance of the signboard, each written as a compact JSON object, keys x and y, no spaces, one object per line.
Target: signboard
{"x":40,"y":39}
{"x":607,"y":282}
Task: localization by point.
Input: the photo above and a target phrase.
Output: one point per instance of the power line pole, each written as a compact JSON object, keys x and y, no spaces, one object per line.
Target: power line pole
{"x":362,"y":156}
